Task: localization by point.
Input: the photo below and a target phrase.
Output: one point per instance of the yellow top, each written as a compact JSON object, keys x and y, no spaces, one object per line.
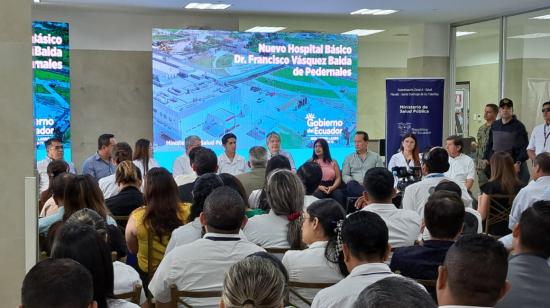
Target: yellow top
{"x":159,"y":246}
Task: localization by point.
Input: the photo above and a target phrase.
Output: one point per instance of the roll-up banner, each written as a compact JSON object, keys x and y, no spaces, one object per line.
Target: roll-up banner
{"x":414,"y":105}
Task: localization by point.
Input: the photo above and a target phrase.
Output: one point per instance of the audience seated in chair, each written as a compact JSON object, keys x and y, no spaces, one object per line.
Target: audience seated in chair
{"x":528,"y":270}
{"x":203,"y":160}
{"x":193,"y":231}
{"x":403,"y":225}
{"x":311,"y":174}
{"x":120,"y":152}
{"x":444,"y":217}
{"x":257,"y":198}
{"x":46,"y":202}
{"x":472,"y":218}
{"x":474,"y":273}
{"x":280,"y":228}
{"x":254,"y":282}
{"x":128,"y":179}
{"x":320,"y":262}
{"x":85,"y":245}
{"x":394,"y":292}
{"x":200,"y":265}
{"x":363,"y":237}
{"x":58,"y":283}
{"x":156,"y":220}
{"x":255,"y":178}
{"x":233,"y":182}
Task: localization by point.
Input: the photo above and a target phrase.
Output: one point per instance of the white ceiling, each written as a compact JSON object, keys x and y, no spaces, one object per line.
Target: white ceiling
{"x":433,"y":11}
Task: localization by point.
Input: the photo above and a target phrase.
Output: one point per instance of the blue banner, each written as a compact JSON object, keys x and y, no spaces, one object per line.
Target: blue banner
{"x":51,"y":85}
{"x":414,"y":106}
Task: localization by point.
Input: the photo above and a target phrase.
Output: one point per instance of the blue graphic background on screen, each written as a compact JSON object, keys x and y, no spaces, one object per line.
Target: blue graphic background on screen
{"x":198,"y":89}
{"x":52,"y":85}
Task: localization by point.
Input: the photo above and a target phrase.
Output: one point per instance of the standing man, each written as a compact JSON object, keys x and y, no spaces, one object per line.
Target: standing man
{"x":54,"y":151}
{"x":182,"y":165}
{"x":539,"y":142}
{"x":231,"y":162}
{"x":461,"y":166}
{"x":358,"y":163}
{"x":99,"y":165}
{"x":490,"y":116}
{"x":509,"y":135}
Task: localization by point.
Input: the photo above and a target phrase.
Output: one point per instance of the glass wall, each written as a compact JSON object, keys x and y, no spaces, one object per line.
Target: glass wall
{"x":527,"y":65}
{"x":476,"y":74}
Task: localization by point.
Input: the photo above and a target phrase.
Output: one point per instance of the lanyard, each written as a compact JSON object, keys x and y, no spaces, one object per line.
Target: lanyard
{"x":223,"y":239}
{"x":435,"y":175}
{"x":545,"y":136}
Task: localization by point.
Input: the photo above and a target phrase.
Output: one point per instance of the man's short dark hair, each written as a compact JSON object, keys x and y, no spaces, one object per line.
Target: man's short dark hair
{"x":534,"y":226}
{"x":457,"y":141}
{"x":104,"y":140}
{"x":49,"y":142}
{"x":394,"y":292}
{"x":506,"y":102}
{"x":543,"y":162}
{"x":436,"y":159}
{"x":224,"y":209}
{"x":121,"y":151}
{"x":366,"y":235}
{"x":476,"y":270}
{"x":228,"y":136}
{"x":204,"y":160}
{"x":378,"y":183}
{"x":311,"y":175}
{"x":494,"y":107}
{"x":545,"y":103}
{"x":364,"y":134}
{"x":444,"y":214}
{"x":57,"y":283}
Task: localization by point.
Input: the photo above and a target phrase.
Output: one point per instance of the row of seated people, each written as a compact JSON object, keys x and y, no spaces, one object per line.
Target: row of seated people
{"x":474,"y":271}
{"x":285,"y":197}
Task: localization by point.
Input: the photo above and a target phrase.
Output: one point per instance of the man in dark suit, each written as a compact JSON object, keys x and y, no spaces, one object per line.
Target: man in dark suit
{"x":203,"y":160}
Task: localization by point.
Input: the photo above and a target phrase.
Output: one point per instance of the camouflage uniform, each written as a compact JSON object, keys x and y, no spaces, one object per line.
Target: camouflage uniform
{"x":482,"y":137}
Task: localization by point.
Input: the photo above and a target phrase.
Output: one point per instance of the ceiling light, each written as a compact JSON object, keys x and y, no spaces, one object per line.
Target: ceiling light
{"x":373,"y":12}
{"x":541,"y":17}
{"x":363,"y":32}
{"x":463,"y":33}
{"x":207,"y":6}
{"x":530,"y":36}
{"x":265,"y":29}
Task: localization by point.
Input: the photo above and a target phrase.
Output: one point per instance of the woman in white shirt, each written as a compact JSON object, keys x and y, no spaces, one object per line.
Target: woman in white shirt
{"x":320,"y":262}
{"x":143,"y":156}
{"x":280,"y":228}
{"x":408,"y":155}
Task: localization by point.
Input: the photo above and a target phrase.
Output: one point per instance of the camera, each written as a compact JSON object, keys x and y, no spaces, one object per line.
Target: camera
{"x":406,"y":176}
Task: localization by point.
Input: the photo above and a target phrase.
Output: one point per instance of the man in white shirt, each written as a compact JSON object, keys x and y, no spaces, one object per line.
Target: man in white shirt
{"x":54,"y":151}
{"x":365,"y":247}
{"x":231,"y":162}
{"x":201,"y":265}
{"x":461,"y":166}
{"x":533,"y":192}
{"x":473,"y":274}
{"x":539,"y":143}
{"x":120,"y":152}
{"x":182,"y":165}
{"x":434,"y":163}
{"x":403,"y":225}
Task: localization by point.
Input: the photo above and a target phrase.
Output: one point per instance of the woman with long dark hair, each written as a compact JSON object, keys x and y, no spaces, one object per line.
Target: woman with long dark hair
{"x":85,"y":245}
{"x":504,"y":181}
{"x":143,"y":156}
{"x":257,"y":199}
{"x":332,"y":178}
{"x":156,"y":220}
{"x":320,"y":262}
{"x":408,"y":155}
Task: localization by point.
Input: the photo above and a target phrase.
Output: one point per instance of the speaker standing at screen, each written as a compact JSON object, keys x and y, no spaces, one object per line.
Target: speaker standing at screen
{"x":274,"y":148}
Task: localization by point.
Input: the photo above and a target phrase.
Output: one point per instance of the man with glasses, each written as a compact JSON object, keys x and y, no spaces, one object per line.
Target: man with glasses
{"x":539,"y":142}
{"x":54,"y":151}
